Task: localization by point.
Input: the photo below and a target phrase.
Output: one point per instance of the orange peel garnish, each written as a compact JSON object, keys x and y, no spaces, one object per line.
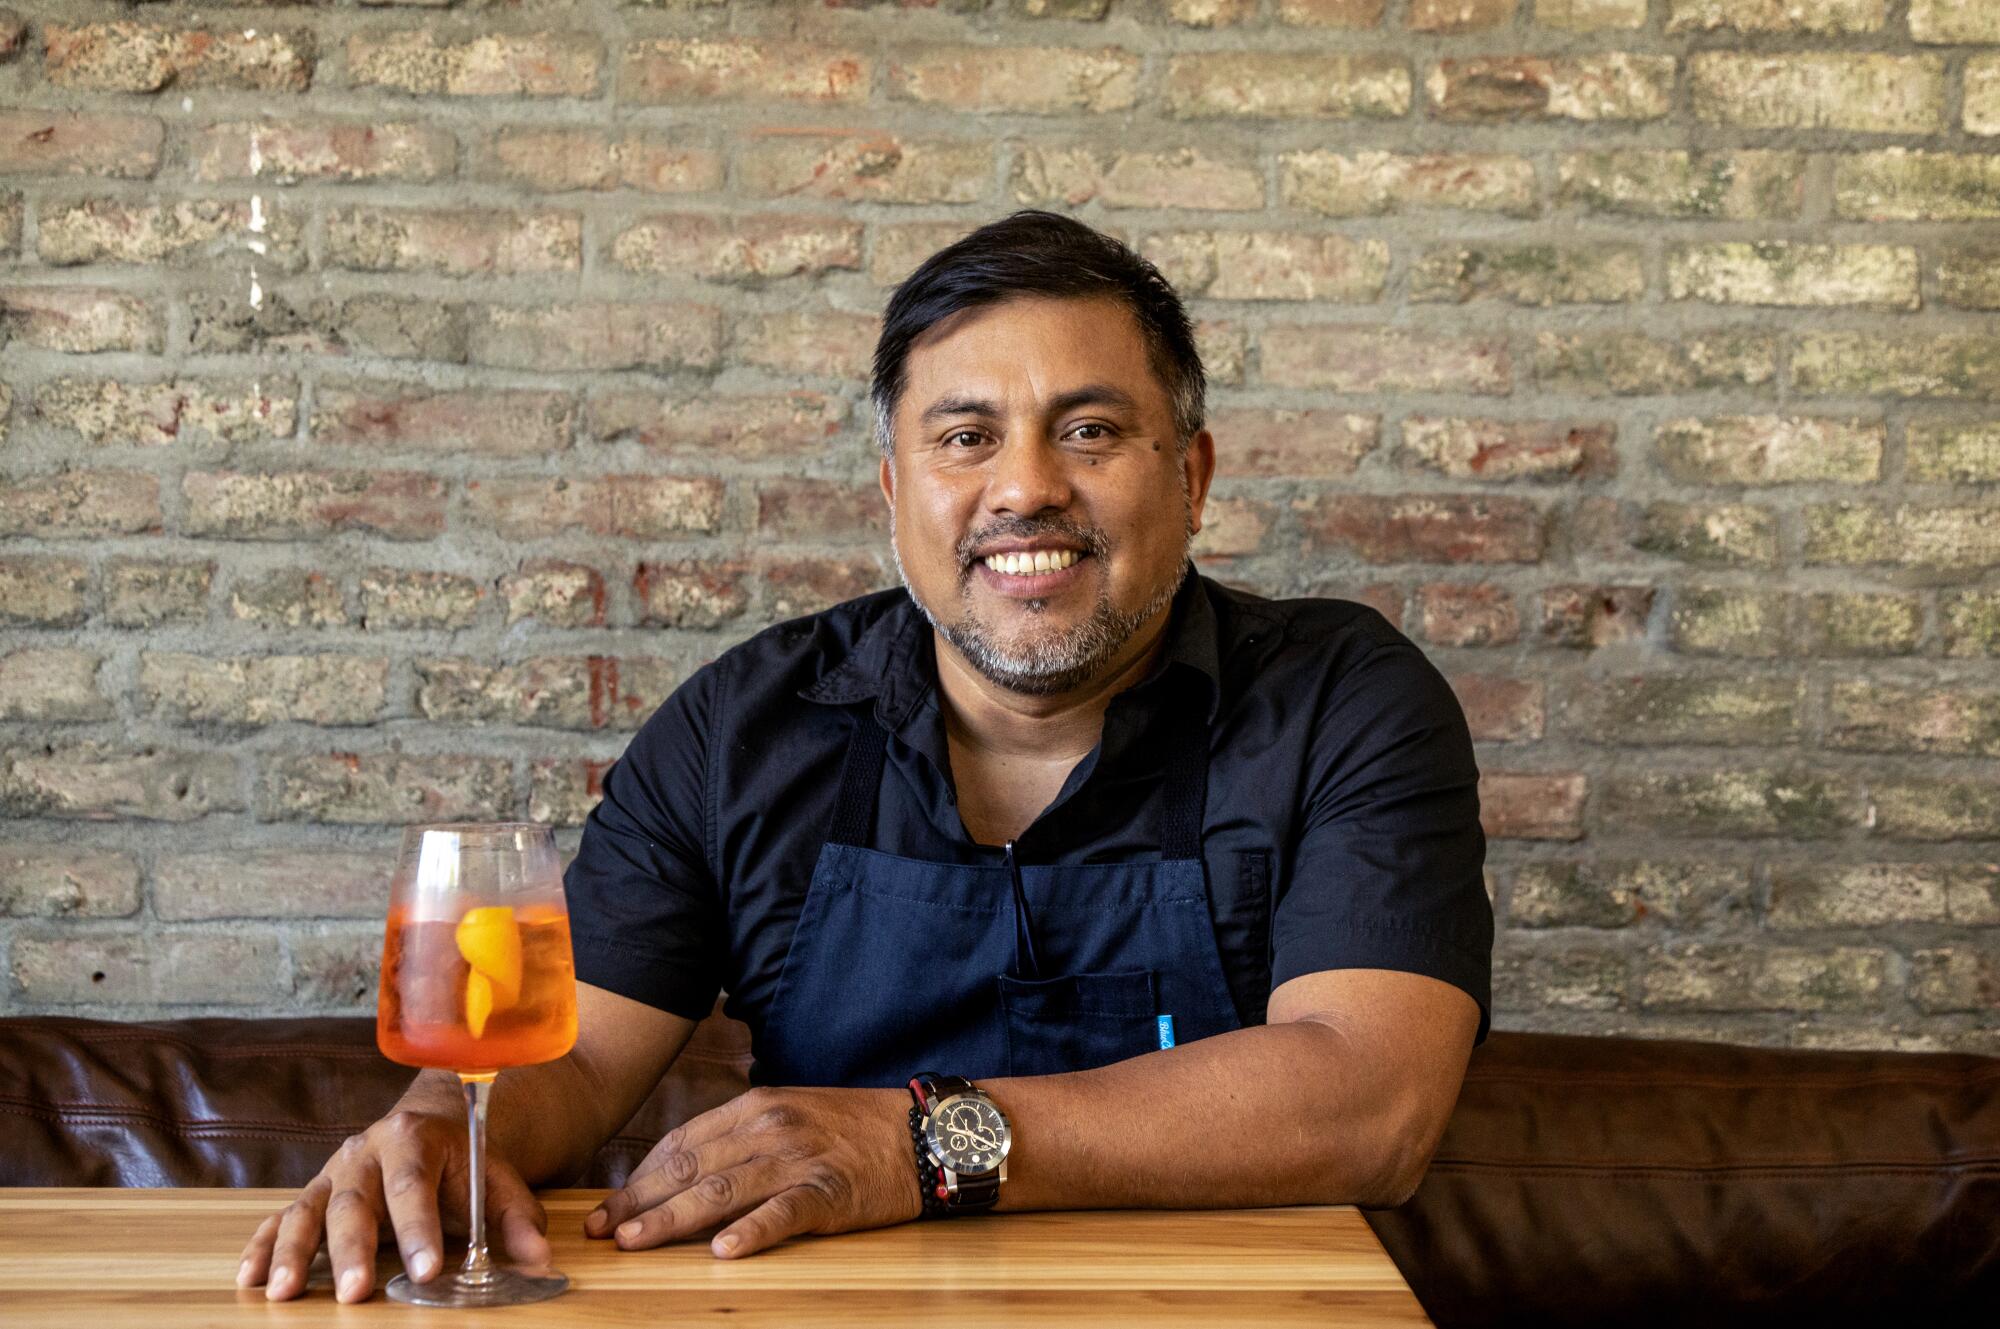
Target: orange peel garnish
{"x":490,"y":941}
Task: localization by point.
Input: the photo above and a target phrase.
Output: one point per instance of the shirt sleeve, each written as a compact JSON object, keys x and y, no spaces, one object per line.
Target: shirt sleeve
{"x":1389,"y":872}
{"x":646,"y":917}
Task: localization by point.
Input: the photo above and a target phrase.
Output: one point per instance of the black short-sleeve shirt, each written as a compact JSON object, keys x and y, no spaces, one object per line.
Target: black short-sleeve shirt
{"x":1341,"y":829}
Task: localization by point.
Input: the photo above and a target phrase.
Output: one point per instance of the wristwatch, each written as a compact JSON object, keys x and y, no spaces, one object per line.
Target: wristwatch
{"x":961,"y":1138}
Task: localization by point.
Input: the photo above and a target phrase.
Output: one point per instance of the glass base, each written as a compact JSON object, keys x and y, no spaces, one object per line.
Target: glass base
{"x":500,"y":1287}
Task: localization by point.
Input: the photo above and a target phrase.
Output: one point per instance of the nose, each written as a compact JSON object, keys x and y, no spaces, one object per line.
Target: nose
{"x":1029,"y":475}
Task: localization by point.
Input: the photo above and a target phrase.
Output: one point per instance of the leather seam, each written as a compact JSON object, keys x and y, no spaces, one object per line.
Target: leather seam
{"x":193,"y":1129}
{"x":1697,"y":1171}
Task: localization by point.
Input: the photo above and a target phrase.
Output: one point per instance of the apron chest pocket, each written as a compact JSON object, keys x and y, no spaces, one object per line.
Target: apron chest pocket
{"x":1079,"y":1021}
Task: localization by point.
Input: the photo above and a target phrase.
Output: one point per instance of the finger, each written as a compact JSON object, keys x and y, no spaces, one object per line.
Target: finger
{"x":410,"y":1187}
{"x":786,"y":1214}
{"x":257,"y":1253}
{"x":673,"y":1170}
{"x":520,"y":1217}
{"x":716,"y":1198}
{"x":353,"y":1228}
{"x":298,"y":1238}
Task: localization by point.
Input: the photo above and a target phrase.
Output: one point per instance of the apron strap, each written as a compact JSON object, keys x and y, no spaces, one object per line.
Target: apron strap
{"x":1186,"y":796}
{"x":860,"y":779}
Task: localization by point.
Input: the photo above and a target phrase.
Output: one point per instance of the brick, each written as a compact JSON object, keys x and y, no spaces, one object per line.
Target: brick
{"x":690,"y":593}
{"x":457,"y":242}
{"x":565,"y":337}
{"x":1222,"y":345}
{"x":401,"y":598}
{"x":340,"y":152}
{"x":1743,"y":802}
{"x":1590,"y":617}
{"x":748,"y":427}
{"x":1573,"y":978}
{"x":1270,"y":265}
{"x":1941,"y":539}
{"x":541,"y":64}
{"x":1666,"y":708}
{"x":1373,"y":183}
{"x":74,"y":503}
{"x":156,"y":967}
{"x":1980,"y":112}
{"x":10,"y":223}
{"x":737,"y":249}
{"x":1954,"y":21}
{"x":136,"y":57}
{"x":1500,"y":709}
{"x":336,"y":970}
{"x":78,"y":320}
{"x":387,"y":326}
{"x":1769,"y":450}
{"x":1969,"y":622}
{"x":1920,"y":808}
{"x":1723,"y":977}
{"x":289,"y":598}
{"x":1482,"y":449}
{"x":1524,"y":806}
{"x":1965,"y":365}
{"x":398,"y":417}
{"x":385,"y":789}
{"x":562,"y":792}
{"x":704,"y":71}
{"x":1356,"y":358}
{"x":807,"y":585}
{"x":826,"y":343}
{"x":1075,"y":10}
{"x":820,"y":510}
{"x":1955,"y":978}
{"x":1718,"y":533}
{"x":1824,"y":17}
{"x":187,"y":233}
{"x":1458,"y":15}
{"x":1855,"y":91}
{"x":263,"y":690}
{"x":856,"y":166}
{"x":1467,"y":613}
{"x":195,"y":413}
{"x":1606,"y":86}
{"x":1968,"y":278}
{"x":299,"y":505}
{"x":563,"y":595}
{"x":1330,"y":13}
{"x":1873,"y":716}
{"x":1898,"y":184}
{"x":1731,"y":186}
{"x":1862,"y":623}
{"x":1045,"y":80}
{"x":1307,"y":444}
{"x":1951,"y":452}
{"x":1177,"y":178}
{"x":13,"y":34}
{"x":1210,"y":13}
{"x":37,"y":142}
{"x":557,"y":692}
{"x":1617,"y":893}
{"x":37,"y":591}
{"x":897,"y":250}
{"x":1635,"y":364}
{"x":632,"y":506}
{"x":559,"y":160}
{"x":1720,"y":620}
{"x":1775,"y":272}
{"x":52,"y":686}
{"x":1590,"y":15}
{"x":1815,"y":895}
{"x":1273,"y":85}
{"x":1541,"y":275}
{"x":66,"y":881}
{"x":1426,"y":528}
{"x":96,"y":782}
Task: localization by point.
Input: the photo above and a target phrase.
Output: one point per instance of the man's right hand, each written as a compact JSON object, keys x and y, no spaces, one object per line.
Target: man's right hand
{"x":406,"y":1174}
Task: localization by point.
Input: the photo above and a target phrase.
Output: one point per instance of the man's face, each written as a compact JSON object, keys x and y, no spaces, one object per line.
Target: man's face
{"x":1041,"y":511}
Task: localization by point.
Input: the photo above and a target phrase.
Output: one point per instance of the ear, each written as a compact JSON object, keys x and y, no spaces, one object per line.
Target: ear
{"x":1200,"y":464}
{"x":888,"y":482}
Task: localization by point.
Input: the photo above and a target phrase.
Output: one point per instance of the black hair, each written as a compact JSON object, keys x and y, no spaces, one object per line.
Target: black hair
{"x":1037,"y":253}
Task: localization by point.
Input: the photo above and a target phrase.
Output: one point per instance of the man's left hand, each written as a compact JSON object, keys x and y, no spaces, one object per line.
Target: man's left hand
{"x":771,"y":1163}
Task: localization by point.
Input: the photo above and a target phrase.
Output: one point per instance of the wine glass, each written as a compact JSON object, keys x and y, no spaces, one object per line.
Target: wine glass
{"x":477,"y":976}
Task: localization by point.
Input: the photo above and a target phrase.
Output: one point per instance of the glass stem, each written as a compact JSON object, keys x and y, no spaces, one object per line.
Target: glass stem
{"x":478,"y":1267}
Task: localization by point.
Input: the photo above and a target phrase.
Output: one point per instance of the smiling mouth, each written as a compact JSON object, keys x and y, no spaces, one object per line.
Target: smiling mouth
{"x":1032,"y":561}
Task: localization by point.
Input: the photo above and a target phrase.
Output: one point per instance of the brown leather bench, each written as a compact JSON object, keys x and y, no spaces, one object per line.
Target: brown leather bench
{"x":1582,"y":1181}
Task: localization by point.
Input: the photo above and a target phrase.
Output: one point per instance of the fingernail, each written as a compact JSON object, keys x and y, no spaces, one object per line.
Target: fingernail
{"x":595,"y":1223}
{"x":422,"y":1265}
{"x":629,"y":1231}
{"x":243,"y":1274}
{"x":279,"y":1276}
{"x":350,"y":1282}
{"x":728,"y":1242}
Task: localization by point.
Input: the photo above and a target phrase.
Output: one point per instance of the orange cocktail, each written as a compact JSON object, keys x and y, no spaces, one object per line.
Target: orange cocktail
{"x":495,"y":987}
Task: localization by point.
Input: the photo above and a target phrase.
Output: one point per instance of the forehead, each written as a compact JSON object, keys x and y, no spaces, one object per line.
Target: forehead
{"x":1032,"y":347}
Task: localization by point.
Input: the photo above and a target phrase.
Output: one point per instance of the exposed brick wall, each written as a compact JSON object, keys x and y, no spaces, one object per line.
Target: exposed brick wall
{"x":1638,"y":357}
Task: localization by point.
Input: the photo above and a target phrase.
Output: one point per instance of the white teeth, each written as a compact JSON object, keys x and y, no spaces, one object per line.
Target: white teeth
{"x":1041,"y":560}
{"x":1034,"y":563}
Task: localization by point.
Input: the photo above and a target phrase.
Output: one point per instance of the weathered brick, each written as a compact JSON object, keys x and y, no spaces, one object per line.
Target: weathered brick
{"x":66,"y":881}
{"x":737,"y":249}
{"x":1741,"y":977}
{"x":690,"y":593}
{"x":1607,"y":86}
{"x":801,"y":425}
{"x":562,"y":791}
{"x":1862,"y":623}
{"x":44,"y":592}
{"x":1741,"y":802}
{"x":1426,"y":528}
{"x":854,"y":166}
{"x":1722,"y":620}
{"x":99,"y":783}
{"x":1271,"y":84}
{"x":897,"y":250}
{"x":263,"y":690}
{"x":1354,"y":358}
{"x":1305,"y":444}
{"x":1569,"y":978}
{"x":137,"y":57}
{"x":1671,"y":708}
{"x":198,"y":413}
{"x":827,"y":343}
{"x":1467,"y":614}
{"x":402,"y":598}
{"x":52,"y":685}
{"x":567,"y":159}
{"x":457,"y":242}
{"x":1330,"y":13}
{"x":1816,"y":895}
{"x":1223,"y":345}
{"x":1733,"y":186}
{"x":10,"y":223}
{"x":337,"y":970}
{"x":1530,"y":274}
{"x":564,"y":595}
{"x":1874,"y":716}
{"x":660,"y":336}
{"x":1980,"y":111}
{"x":1481,"y":449}
{"x":556,"y":692}
{"x":1270,"y":265}
{"x":1770,"y":450}
{"x":1499,"y":709}
{"x":1955,"y":978}
{"x":634,"y":506}
{"x":390,"y":326}
{"x":1725,"y":533}
{"x":820,"y":510}
{"x":298,"y":505}
{"x":73,"y":503}
{"x":78,"y":320}
{"x":1942,"y":539}
{"x":1616,"y":893}
{"x":1037,"y":79}
{"x":1863,"y":92}
{"x":324,"y":150}
{"x":1232,"y":528}
{"x":1898,"y":184}
{"x":156,"y":967}
{"x":384,"y":788}
{"x":795,"y":586}
{"x":1525,"y":806}
{"x":37,"y":142}
{"x":1458,"y":15}
{"x":1776,"y":272}
{"x":1635,"y":364}
{"x":1951,"y":452}
{"x":289,"y":598}
{"x":187,"y":233}
{"x":1934,"y":808}
{"x":1969,"y":621}
{"x":1590,"y":15}
{"x":1899,"y":365}
{"x":1045,"y":175}
{"x":1216,"y":13}
{"x":1954,"y":21}
{"x":541,"y":64}
{"x":399,"y":417}
{"x":1374,"y":183}
{"x":13,"y":34}
{"x":1968,"y":278}
{"x":1829,"y":17}
{"x":1588,"y":617}
{"x":703,"y":71}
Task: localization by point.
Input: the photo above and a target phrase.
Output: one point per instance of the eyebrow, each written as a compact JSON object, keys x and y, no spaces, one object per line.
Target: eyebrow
{"x":1090,"y":394}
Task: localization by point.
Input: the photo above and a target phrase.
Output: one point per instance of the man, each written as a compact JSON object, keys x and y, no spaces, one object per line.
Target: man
{"x":1186,"y":884}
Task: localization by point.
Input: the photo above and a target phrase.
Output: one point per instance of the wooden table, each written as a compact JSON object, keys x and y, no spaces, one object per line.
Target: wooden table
{"x":106,"y":1259}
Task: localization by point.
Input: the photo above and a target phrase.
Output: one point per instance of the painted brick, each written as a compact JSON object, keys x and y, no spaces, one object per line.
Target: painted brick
{"x":74,"y":503}
{"x":1861,"y":92}
{"x":1901,"y":184}
{"x":1874,"y":716}
{"x":1727,"y":620}
{"x":387,"y":789}
{"x":1355,"y":358}
{"x":138,"y":57}
{"x":1617,"y":893}
{"x":559,"y":160}
{"x":1736,"y":534}
{"x":269,"y":883}
{"x":1899,"y":365}
{"x":96,"y":782}
{"x":188,"y":233}
{"x":568,"y":337}
{"x":703,"y":71}
{"x":1925,"y":808}
{"x":1270,"y":265}
{"x":631,"y":506}
{"x":1607,"y":86}
{"x":775,"y":426}
{"x":1770,"y":449}
{"x":821,"y":510}
{"x":459,"y":242}
{"x":388,"y":326}
{"x":542,"y":64}
{"x":1863,"y":623}
{"x":853,"y":166}
{"x":52,"y":685}
{"x":1943,"y":539}
{"x":1477,"y":449}
{"x":1969,"y":621}
{"x":402,"y":598}
{"x":289,"y":598}
{"x":156,"y":967}
{"x":396,"y":417}
{"x":332,"y":151}
{"x":78,"y":320}
{"x":1427,"y":528}
{"x":1822,"y":17}
{"x":1675,"y":183}
{"x":1742,"y":802}
{"x":196,"y":413}
{"x":1307,"y":444}
{"x":1467,"y":614}
{"x":563,"y":595}
{"x":1636,"y":709}
{"x":737,"y":249}
{"x":1635,"y":364}
{"x":1374,"y":183}
{"x":1275,"y":85}
{"x":300,"y":505}
{"x":37,"y":142}
{"x":1951,"y":452}
{"x":1803,"y":275}
{"x":1722,"y":977}
{"x":1954,"y":21}
{"x":1529,"y":274}
{"x":691,"y":593}
{"x":1526,"y":806}
{"x":1042,"y":80}
{"x":1178,"y":178}
{"x":264,"y":690}
{"x":66,"y":881}
{"x":1585,"y":617}
{"x":37,"y":591}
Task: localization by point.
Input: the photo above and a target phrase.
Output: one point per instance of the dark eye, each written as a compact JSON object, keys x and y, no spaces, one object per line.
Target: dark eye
{"x":953,"y":438}
{"x":1103,"y":432}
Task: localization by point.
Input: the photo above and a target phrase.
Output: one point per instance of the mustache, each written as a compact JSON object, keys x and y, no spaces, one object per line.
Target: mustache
{"x":1088,"y":538}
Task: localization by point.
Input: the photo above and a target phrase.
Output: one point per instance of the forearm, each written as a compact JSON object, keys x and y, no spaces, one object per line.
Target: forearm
{"x":541,"y":1119}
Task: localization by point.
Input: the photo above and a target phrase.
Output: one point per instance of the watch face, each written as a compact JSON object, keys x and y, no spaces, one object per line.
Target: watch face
{"x":968,"y":1134}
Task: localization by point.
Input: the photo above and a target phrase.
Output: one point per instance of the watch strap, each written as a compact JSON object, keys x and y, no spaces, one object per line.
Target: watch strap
{"x":973,"y":1193}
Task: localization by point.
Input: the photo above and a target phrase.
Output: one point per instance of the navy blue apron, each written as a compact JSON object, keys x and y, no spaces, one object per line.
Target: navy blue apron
{"x":899,"y":965}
